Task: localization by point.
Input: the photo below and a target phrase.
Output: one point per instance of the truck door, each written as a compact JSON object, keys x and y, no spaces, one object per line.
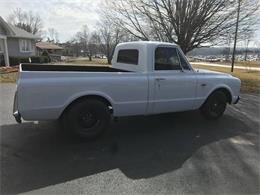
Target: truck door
{"x":173,"y":82}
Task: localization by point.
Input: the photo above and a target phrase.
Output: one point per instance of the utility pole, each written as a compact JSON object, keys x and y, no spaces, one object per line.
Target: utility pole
{"x":235,"y":40}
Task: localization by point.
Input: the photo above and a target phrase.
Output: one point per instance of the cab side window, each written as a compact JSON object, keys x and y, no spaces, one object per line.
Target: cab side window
{"x":184,"y":63}
{"x":166,"y":58}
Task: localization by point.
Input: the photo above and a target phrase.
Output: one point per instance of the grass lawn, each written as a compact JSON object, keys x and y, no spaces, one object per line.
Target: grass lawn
{"x":85,"y":61}
{"x":246,"y":64}
{"x":250,"y":79}
{"x":8,"y":75}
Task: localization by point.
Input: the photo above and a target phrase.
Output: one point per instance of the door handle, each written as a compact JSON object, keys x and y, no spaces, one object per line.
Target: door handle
{"x":160,"y":79}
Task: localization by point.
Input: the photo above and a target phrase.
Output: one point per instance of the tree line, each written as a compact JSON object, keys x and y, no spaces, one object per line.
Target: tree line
{"x":188,"y":23}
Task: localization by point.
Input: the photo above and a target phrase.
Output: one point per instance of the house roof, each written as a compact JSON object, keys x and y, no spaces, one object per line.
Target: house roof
{"x":22,"y":33}
{"x":13,"y":31}
{"x":46,"y":45}
{"x":6,"y":27}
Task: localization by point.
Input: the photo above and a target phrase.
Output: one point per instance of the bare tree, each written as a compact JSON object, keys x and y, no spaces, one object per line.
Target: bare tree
{"x":188,"y":23}
{"x":226,"y":41}
{"x":257,"y":49}
{"x":110,"y":37}
{"x":111,"y":33}
{"x":94,"y":44}
{"x":51,"y":35}
{"x":84,"y":38}
{"x":28,"y":21}
{"x":87,"y":41}
{"x":80,"y":39}
{"x":247,"y":37}
{"x":75,"y":47}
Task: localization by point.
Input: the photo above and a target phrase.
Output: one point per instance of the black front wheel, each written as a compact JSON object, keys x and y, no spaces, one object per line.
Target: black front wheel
{"x":87,"y":118}
{"x":215,"y":105}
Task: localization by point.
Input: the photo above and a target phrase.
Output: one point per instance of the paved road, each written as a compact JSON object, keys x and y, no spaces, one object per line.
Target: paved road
{"x":226,"y":66}
{"x":165,"y":154}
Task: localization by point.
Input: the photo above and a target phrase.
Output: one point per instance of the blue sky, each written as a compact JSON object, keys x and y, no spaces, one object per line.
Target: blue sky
{"x":66,"y":16}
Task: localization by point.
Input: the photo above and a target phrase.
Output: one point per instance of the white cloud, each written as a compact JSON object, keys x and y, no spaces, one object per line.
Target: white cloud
{"x":66,"y":16}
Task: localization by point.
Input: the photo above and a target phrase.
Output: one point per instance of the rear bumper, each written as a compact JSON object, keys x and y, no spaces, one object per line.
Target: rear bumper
{"x":16,"y":113}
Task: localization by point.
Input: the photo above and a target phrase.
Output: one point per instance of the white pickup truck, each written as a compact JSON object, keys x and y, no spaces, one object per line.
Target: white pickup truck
{"x":145,"y":78}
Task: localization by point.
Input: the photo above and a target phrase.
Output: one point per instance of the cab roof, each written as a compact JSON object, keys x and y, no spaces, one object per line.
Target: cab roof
{"x":154,"y":43}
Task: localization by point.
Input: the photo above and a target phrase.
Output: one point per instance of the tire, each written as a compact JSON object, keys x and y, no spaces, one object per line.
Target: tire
{"x":215,"y":106}
{"x":87,"y":119}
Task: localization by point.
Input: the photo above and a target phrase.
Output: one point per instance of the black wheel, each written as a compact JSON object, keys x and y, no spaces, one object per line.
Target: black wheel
{"x":87,"y":118}
{"x":215,"y":105}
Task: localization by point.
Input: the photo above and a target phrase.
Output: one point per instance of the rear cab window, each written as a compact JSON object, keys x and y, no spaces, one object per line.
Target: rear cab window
{"x":128,"y":56}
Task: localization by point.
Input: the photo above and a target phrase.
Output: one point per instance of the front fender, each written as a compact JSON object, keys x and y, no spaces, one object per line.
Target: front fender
{"x":220,"y":86}
{"x":200,"y":100}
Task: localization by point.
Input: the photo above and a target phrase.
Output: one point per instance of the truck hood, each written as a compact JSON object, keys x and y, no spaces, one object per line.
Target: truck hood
{"x":210,"y":72}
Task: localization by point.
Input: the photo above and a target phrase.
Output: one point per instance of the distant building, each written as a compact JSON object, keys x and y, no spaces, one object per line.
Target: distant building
{"x":15,"y":42}
{"x":54,"y":51}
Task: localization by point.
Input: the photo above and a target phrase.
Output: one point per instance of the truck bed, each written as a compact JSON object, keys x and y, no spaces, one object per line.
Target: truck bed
{"x":69,"y":68}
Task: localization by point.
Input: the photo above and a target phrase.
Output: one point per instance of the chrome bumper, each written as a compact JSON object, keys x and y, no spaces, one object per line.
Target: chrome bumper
{"x":16,"y":113}
{"x":17,"y":117}
{"x":237,"y":100}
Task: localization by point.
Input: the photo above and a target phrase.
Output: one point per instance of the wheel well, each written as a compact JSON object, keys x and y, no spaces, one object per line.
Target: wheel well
{"x":226,"y":92}
{"x":88,"y":97}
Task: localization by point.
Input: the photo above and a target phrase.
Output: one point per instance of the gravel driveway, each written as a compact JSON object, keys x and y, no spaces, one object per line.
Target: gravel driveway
{"x":165,"y":154}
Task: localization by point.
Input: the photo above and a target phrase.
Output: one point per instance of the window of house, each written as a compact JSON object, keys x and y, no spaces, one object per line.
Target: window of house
{"x":166,"y":58}
{"x":1,"y":46}
{"x":25,"y":45}
{"x":128,"y":56}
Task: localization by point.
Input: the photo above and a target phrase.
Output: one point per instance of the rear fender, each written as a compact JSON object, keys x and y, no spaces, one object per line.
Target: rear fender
{"x":82,"y":94}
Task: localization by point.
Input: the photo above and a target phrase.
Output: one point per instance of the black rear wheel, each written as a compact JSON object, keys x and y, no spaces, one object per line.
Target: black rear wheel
{"x":87,"y":118}
{"x":215,"y":105}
